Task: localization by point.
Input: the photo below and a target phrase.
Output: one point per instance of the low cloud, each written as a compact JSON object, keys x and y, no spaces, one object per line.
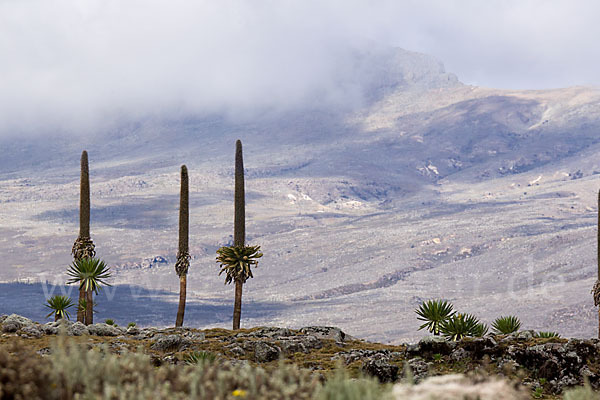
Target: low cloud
{"x":84,"y":66}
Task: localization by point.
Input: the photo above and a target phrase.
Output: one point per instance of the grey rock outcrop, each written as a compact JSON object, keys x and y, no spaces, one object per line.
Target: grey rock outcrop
{"x":431,"y":345}
{"x":104,"y":330}
{"x":32,"y":331}
{"x":49,"y":328}
{"x":236,"y":350}
{"x":265,"y":352}
{"x":299,"y":344}
{"x":419,"y":369}
{"x":170,"y":343}
{"x":14,"y":322}
{"x":361,"y":354}
{"x":133,"y":330}
{"x":324,"y":332}
{"x":266,"y":333}
{"x":382,"y":370}
{"x":77,"y":329}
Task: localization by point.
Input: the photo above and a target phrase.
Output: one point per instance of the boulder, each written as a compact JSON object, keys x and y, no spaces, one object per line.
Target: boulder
{"x":77,"y":329}
{"x":195,"y":336}
{"x":266,"y":333}
{"x":170,"y":343}
{"x":361,"y":355}
{"x":265,"y":352}
{"x":431,"y":345}
{"x":10,"y":327}
{"x":299,"y":344}
{"x":235,"y":350}
{"x":480,"y":346}
{"x":133,"y":330}
{"x":524,"y":335}
{"x":418,"y":368}
{"x":103,"y":330}
{"x":14,"y":322}
{"x":325,"y":332}
{"x":549,"y":370}
{"x":459,"y":354}
{"x":584,"y":348}
{"x":50,"y":328}
{"x":381,"y":369}
{"x":32,"y":331}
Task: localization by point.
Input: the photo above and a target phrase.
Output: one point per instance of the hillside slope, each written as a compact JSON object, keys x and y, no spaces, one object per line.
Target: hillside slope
{"x":431,"y":188}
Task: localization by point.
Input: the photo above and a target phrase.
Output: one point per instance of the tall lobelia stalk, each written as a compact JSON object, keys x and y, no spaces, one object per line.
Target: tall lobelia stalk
{"x":183,"y":256}
{"x":596,"y":290}
{"x":239,"y":227}
{"x":83,"y":246}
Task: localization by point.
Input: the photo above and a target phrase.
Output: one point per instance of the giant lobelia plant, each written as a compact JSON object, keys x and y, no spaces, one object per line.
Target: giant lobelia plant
{"x":83,"y":246}
{"x":183,"y":255}
{"x":91,"y":274}
{"x":236,"y":261}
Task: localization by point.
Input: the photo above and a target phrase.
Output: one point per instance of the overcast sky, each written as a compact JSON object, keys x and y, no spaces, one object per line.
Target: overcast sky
{"x":76,"y":64}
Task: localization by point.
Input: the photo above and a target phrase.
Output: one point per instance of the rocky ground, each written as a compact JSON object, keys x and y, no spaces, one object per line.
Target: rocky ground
{"x":545,"y":367}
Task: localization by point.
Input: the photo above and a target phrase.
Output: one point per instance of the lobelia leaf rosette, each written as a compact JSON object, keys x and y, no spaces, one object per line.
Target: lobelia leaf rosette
{"x":237,"y":262}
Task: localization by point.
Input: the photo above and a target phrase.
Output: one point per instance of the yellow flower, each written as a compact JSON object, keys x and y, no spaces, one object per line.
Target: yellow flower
{"x":239,"y":393}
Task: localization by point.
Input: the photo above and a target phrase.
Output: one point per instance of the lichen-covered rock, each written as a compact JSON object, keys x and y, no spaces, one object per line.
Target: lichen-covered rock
{"x":195,"y":336}
{"x":459,"y":354}
{"x":325,"y":332}
{"x":32,"y":331}
{"x":459,"y":387}
{"x":478,"y":347}
{"x":299,"y":344}
{"x":170,"y":343}
{"x":3,"y":317}
{"x":10,"y":327}
{"x":431,"y":345}
{"x":103,"y":330}
{"x":266,"y":332}
{"x":235,"y":350}
{"x":418,"y":368}
{"x":382,"y":370}
{"x":49,"y":328}
{"x":265,"y":352}
{"x":362,"y":355}
{"x":77,"y":329}
{"x":133,"y":330}
{"x":14,"y":322}
{"x":524,"y":335}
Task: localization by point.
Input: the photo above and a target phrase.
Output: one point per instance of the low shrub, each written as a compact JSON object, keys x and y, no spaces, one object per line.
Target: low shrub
{"x":434,"y":313}
{"x":341,"y":387}
{"x":460,"y":326}
{"x":547,"y":335}
{"x":200,"y":357}
{"x":506,"y":325}
{"x":24,"y":374}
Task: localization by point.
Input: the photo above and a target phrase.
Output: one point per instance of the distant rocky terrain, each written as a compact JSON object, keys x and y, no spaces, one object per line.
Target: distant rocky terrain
{"x":428,"y":189}
{"x":543,"y":366}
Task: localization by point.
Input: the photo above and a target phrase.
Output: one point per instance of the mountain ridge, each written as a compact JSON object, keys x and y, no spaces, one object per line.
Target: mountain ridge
{"x":445,"y":191}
